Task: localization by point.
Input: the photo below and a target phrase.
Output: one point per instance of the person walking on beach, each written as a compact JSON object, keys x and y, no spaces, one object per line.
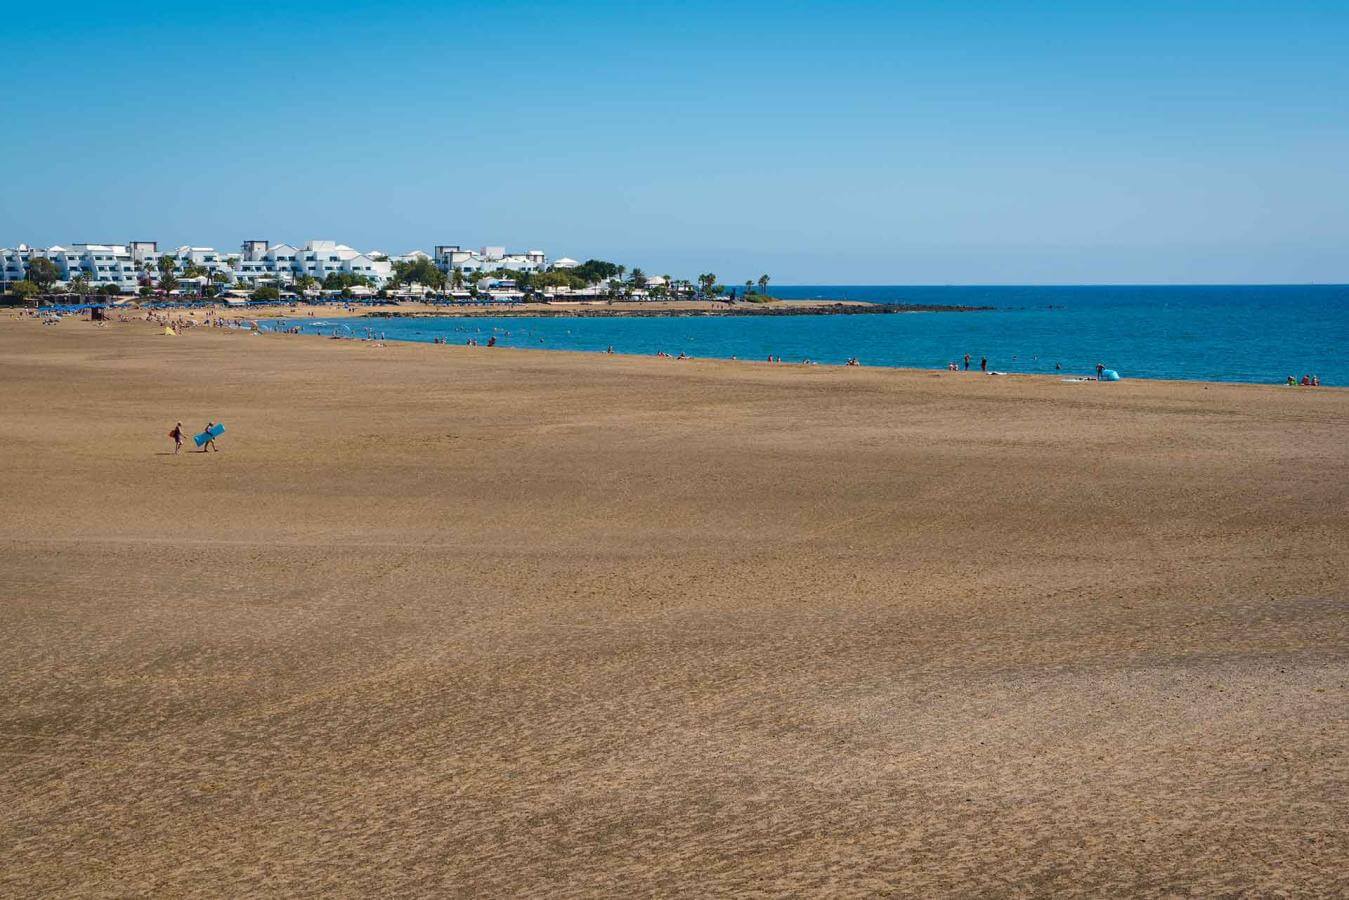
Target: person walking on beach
{"x":983,"y":364}
{"x":177,"y":435}
{"x":967,"y":362}
{"x":210,"y":439}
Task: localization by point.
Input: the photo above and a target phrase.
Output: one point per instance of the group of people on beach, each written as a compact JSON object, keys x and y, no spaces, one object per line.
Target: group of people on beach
{"x":1307,"y":381}
{"x":983,"y":367}
{"x":178,"y":436}
{"x":955,"y":367}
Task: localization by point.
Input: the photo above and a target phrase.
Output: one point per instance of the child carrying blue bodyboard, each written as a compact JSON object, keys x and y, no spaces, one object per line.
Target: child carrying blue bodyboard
{"x":213,"y":431}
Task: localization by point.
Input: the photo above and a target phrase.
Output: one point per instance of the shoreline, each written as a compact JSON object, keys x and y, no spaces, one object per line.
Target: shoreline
{"x":1064,"y":377}
{"x":746,"y":310}
{"x":562,"y":309}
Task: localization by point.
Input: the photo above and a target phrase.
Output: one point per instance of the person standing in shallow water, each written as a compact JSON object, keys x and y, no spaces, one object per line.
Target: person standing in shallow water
{"x":983,"y":364}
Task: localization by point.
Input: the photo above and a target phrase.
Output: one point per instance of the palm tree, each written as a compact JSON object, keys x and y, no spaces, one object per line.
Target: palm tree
{"x":457,"y":278}
{"x":763,"y":284}
{"x":79,"y":284}
{"x":749,"y":286}
{"x":218,"y":280}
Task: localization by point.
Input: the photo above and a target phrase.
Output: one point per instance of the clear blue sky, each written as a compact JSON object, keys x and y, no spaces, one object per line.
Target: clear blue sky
{"x":843,"y":142}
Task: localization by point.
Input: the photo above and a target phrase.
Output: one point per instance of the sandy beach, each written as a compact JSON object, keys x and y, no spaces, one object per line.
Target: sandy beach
{"x":445,"y":620}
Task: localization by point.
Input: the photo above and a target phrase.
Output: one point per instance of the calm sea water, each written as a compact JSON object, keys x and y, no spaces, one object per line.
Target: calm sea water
{"x":1244,"y":333}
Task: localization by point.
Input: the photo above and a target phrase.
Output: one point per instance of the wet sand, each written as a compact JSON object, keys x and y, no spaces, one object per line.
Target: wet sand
{"x":450,"y":620}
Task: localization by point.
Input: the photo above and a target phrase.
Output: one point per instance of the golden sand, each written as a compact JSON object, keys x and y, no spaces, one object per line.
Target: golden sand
{"x":450,"y":620}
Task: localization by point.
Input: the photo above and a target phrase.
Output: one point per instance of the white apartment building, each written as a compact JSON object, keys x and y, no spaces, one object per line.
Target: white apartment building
{"x":261,"y":261}
{"x":100,"y":264}
{"x":449,"y":257}
{"x":137,"y":262}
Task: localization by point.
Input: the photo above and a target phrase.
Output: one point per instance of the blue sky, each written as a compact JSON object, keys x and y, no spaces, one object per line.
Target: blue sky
{"x":846,"y":142}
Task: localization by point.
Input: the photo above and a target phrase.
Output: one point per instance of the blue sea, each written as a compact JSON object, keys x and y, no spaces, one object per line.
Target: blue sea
{"x":1220,"y":333}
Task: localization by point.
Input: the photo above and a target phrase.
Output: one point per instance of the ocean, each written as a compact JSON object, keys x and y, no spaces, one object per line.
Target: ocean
{"x":1253,"y":333}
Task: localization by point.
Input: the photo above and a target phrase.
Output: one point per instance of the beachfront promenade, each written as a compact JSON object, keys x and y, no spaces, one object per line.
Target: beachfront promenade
{"x":458,"y":621}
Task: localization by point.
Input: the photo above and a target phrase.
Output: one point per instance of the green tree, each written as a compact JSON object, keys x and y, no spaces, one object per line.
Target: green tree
{"x":418,"y":271}
{"x":168,"y":282}
{"x":43,"y":273}
{"x":558,"y":278}
{"x":707,"y":282}
{"x":763,"y":284}
{"x":166,"y":265}
{"x":25,"y":290}
{"x":267,"y":292}
{"x":593,"y":271}
{"x":638,"y":278}
{"x":336,"y":281}
{"x":109,"y":290}
{"x":457,"y":279}
{"x":80,"y":286}
{"x":749,"y":286}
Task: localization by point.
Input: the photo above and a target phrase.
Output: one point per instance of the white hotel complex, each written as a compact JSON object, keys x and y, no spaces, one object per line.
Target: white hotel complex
{"x":132,"y":265}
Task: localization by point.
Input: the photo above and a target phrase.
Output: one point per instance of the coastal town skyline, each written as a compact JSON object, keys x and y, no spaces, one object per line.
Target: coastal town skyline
{"x":854,"y":143}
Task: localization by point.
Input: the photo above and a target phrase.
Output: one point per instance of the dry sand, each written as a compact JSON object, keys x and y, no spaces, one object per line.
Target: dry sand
{"x":449,"y":620}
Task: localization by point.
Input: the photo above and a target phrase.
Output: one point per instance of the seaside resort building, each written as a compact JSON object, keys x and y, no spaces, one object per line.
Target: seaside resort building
{"x":129,"y":266}
{"x":260,"y":261}
{"x":98,"y":263}
{"x":449,"y":257}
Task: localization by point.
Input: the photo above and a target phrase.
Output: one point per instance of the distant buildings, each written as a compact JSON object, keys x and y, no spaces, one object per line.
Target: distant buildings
{"x":283,"y":263}
{"x":448,"y":257}
{"x":131,"y":266}
{"x":98,"y":263}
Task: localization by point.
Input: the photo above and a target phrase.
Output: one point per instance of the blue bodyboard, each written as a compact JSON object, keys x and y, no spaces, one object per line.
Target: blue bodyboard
{"x":214,"y":431}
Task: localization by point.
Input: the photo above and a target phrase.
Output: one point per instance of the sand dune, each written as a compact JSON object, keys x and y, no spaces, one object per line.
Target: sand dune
{"x":510,"y":623}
